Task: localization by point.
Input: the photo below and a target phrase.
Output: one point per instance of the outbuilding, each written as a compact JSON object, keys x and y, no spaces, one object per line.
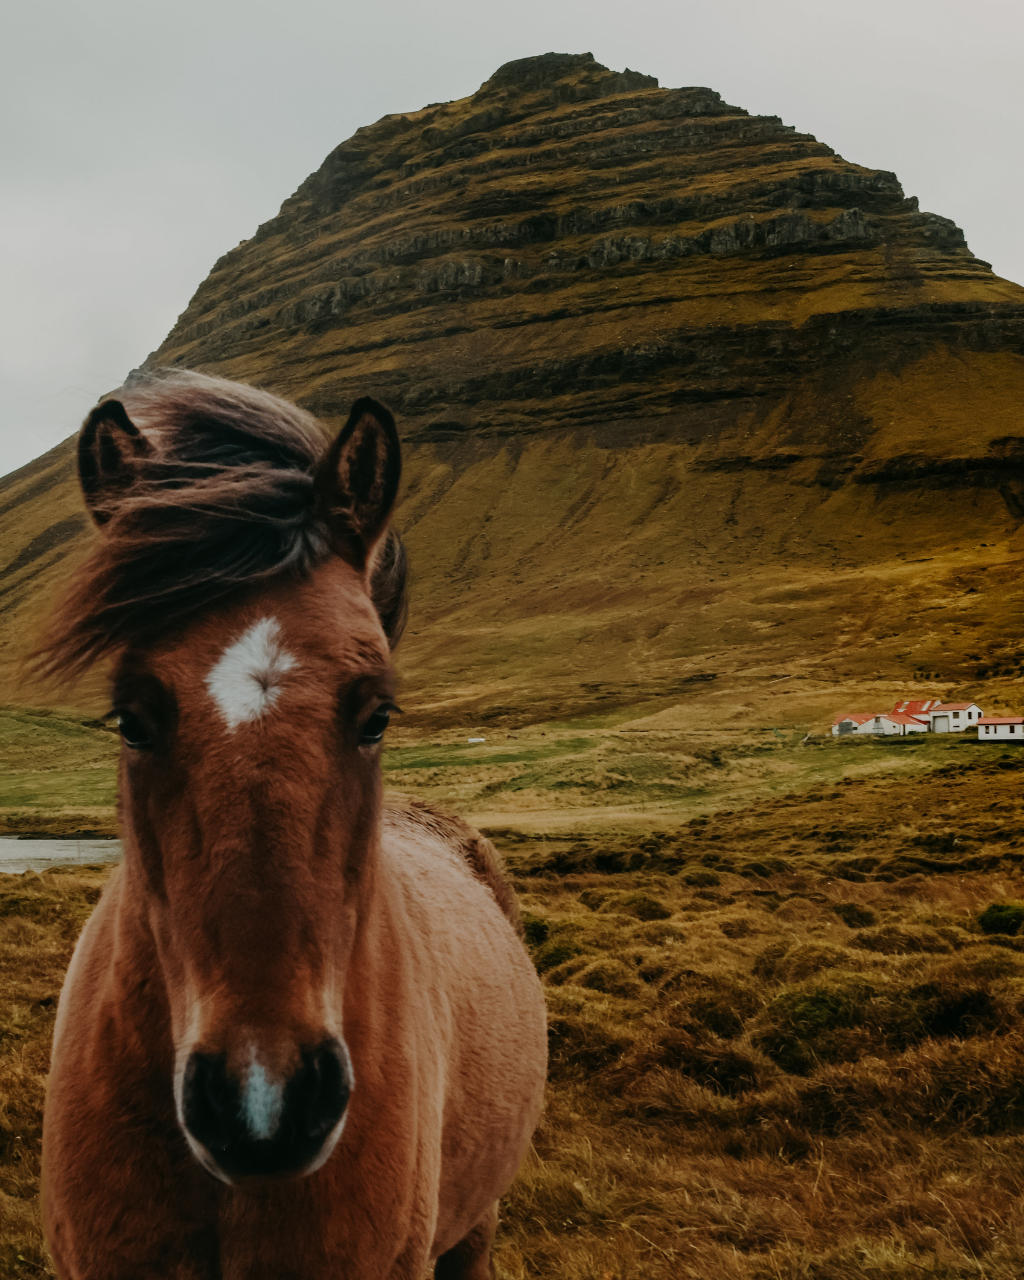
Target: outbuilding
{"x":1003,"y":728}
{"x":953,"y":717}
{"x":855,"y":722}
{"x":898,"y":722}
{"x":889,"y":723}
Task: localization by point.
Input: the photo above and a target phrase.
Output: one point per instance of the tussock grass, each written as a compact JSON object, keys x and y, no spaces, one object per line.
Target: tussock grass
{"x":786,"y":1102}
{"x":40,"y":918}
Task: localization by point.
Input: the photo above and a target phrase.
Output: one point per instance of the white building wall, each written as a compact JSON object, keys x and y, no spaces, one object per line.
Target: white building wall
{"x":882,"y":724}
{"x":894,"y":727}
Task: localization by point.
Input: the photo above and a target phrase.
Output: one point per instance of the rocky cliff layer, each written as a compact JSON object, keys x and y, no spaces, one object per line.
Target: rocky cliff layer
{"x":572,"y":244}
{"x":685,"y":393}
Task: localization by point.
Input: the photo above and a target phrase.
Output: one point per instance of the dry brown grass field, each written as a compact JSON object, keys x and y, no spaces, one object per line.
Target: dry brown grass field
{"x":782,"y":1046}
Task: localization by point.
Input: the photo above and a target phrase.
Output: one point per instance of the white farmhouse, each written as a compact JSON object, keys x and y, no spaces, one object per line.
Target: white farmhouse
{"x":952,"y":717}
{"x":1003,"y":728}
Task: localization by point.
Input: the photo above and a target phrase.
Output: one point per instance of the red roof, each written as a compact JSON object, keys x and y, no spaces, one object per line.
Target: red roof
{"x":953,"y":706}
{"x":1001,"y":720}
{"x":897,"y":717}
{"x":859,"y":716}
{"x":916,"y":708}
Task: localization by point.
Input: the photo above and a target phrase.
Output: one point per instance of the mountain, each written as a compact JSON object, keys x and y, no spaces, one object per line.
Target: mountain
{"x":697,"y":412}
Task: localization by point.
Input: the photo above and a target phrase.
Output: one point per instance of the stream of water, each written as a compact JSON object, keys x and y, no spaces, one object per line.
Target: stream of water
{"x":17,"y":856}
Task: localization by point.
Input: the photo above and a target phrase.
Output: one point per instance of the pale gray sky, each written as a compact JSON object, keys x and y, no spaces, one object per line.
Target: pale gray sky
{"x":143,"y":138}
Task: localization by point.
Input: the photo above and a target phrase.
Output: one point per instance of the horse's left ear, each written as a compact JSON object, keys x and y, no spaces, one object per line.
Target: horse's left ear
{"x":110,"y":447}
{"x":357,"y":481}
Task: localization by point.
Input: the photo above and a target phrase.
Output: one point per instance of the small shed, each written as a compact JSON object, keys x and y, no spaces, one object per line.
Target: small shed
{"x":899,"y":723}
{"x":854,"y":722}
{"x":1003,"y":728}
{"x":953,"y":717}
{"x":888,"y":723}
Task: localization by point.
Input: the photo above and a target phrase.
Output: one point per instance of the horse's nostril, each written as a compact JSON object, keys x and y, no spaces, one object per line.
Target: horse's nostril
{"x":319,"y":1091}
{"x":255,"y":1127}
{"x":218,"y":1095}
{"x":211,"y":1101}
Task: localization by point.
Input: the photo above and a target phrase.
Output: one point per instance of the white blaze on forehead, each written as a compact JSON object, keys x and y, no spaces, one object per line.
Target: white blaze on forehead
{"x":246,"y":681}
{"x":262,"y":1102}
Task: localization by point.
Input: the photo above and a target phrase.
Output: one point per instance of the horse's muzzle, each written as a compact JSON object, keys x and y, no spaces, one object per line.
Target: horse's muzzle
{"x":257,"y":1128}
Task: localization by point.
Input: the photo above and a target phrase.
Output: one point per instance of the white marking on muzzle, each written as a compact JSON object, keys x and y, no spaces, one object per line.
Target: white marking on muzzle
{"x":262,"y":1102}
{"x":246,"y":680}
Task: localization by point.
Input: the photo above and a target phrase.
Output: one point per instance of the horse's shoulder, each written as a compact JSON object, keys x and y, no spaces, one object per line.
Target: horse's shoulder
{"x":409,"y":815}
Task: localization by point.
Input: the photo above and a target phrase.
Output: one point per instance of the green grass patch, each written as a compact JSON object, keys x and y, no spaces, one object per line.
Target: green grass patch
{"x":86,"y":788}
{"x":1002,"y":917}
{"x":466,"y":755}
{"x":56,"y":759}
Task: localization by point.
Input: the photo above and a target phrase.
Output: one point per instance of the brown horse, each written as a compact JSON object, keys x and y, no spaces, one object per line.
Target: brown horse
{"x":300,"y":1035}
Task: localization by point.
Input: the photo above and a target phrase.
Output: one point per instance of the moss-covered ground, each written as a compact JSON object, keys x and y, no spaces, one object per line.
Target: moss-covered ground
{"x":785,"y":1041}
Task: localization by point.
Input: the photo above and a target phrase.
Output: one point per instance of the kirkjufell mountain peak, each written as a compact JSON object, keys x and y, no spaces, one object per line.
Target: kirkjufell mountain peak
{"x":572,"y":243}
{"x":681,"y":389}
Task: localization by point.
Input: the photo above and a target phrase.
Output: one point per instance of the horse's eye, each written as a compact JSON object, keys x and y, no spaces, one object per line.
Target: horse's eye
{"x":134,"y":733}
{"x":374,"y":728}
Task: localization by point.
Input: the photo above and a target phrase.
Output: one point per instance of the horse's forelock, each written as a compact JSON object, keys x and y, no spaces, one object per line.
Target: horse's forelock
{"x":196,"y":418}
{"x":225,"y":500}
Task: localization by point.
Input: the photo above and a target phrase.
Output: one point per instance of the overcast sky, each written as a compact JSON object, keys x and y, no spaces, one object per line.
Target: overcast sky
{"x":141,"y":139}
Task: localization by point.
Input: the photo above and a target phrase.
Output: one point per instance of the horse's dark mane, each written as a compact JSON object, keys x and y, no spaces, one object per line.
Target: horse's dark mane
{"x":226,"y":499}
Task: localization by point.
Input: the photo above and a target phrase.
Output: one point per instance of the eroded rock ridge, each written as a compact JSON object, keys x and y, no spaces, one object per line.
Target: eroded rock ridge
{"x":574,"y":244}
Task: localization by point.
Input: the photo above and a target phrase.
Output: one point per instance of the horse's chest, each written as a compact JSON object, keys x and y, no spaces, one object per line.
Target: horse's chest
{"x":299,"y":1235}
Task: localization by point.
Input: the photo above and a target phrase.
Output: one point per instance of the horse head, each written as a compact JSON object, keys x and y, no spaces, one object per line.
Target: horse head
{"x":247,"y":586}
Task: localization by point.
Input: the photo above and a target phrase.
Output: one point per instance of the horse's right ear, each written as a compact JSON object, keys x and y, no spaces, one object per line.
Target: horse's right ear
{"x":357,"y":482}
{"x":109,"y":448}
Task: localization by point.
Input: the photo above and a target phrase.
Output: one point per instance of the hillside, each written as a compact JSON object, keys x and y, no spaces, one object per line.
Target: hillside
{"x":691,"y":404}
